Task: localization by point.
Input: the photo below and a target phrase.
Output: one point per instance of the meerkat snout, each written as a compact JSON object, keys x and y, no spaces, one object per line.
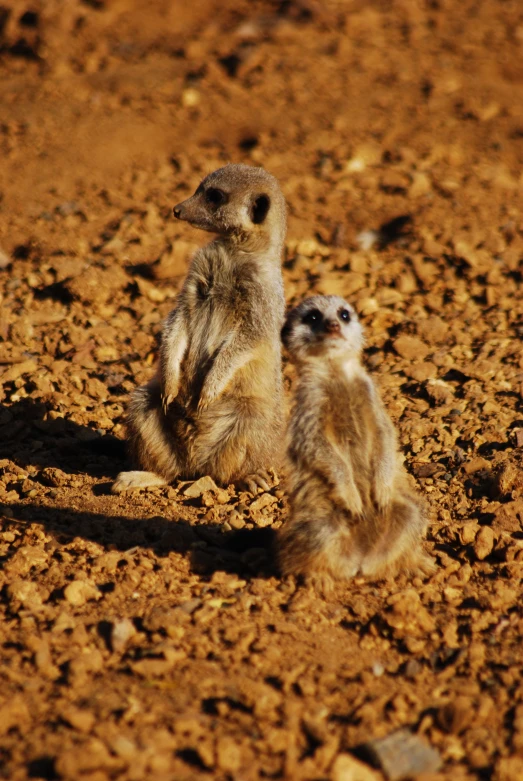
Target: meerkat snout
{"x":332,"y":327}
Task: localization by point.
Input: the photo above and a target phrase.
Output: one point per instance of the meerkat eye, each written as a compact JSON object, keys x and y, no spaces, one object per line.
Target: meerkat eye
{"x":215,"y":196}
{"x":344,"y":315}
{"x":260,"y":208}
{"x":312,"y":318}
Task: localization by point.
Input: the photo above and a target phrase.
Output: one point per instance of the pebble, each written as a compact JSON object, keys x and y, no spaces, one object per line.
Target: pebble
{"x":121,"y":633}
{"x":79,"y":592}
{"x":403,"y":755}
{"x":411,"y":348}
{"x":348,"y":768}
{"x":484,"y":543}
{"x":199,"y":487}
{"x":235,"y":520}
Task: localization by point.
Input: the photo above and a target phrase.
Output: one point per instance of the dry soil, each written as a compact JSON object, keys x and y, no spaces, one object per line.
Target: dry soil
{"x":149,"y":635}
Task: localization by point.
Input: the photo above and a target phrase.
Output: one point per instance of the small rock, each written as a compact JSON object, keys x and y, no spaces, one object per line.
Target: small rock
{"x":433,"y":330}
{"x":52,"y":476}
{"x":5,"y":260}
{"x":228,"y":755}
{"x":468,"y":533}
{"x":476,"y":465}
{"x":421,"y":372}
{"x":190,"y":97}
{"x":412,"y":668}
{"x":14,"y":713}
{"x":79,"y":592}
{"x":367,"y":239}
{"x":18,"y":369}
{"x":264,"y":500}
{"x":505,"y":479}
{"x":235,"y":520}
{"x":121,"y":633}
{"x":507,"y":516}
{"x":199,"y":487}
{"x":79,"y":718}
{"x":25,"y":592}
{"x":408,"y":617}
{"x":426,"y":470}
{"x":403,"y":755}
{"x":348,"y":768}
{"x":439,"y":391}
{"x":168,"y":618}
{"x":411,"y":348}
{"x":484,"y":543}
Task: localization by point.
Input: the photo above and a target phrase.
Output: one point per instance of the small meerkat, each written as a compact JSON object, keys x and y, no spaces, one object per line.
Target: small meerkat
{"x":215,"y":406}
{"x":352,"y":510}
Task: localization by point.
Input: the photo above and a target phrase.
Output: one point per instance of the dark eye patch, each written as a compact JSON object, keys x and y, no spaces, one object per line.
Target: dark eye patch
{"x":313,"y":318}
{"x":344,"y":315}
{"x":215,"y":196}
{"x":260,"y":208}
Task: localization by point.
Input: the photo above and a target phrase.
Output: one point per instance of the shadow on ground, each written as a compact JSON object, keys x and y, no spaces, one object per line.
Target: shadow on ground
{"x":27,"y":437}
{"x":247,"y":552}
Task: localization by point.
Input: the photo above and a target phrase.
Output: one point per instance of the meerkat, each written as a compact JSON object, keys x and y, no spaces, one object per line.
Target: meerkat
{"x":215,"y":406}
{"x":352,"y":510}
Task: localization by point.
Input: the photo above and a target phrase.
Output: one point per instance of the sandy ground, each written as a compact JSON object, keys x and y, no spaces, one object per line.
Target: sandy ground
{"x":149,"y":636}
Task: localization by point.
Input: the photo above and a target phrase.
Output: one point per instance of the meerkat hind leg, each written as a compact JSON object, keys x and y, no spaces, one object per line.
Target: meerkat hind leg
{"x":399,"y":549}
{"x":134,"y":480}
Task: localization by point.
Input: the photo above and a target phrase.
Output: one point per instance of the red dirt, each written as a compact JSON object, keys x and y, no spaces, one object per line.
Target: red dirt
{"x":148,"y":636}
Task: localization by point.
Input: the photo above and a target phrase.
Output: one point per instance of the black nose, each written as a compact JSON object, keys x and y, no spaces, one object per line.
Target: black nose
{"x":177,"y":211}
{"x":332,"y":326}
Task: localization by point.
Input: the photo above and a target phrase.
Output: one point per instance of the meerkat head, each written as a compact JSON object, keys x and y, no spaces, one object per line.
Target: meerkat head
{"x":320,"y":327}
{"x":241,"y":202}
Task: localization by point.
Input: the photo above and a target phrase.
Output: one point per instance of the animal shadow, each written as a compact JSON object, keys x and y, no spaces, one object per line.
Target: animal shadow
{"x":246,"y":552}
{"x":29,"y":436}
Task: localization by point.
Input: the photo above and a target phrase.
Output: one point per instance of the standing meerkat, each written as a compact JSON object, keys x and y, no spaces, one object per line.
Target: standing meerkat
{"x":353,"y":511}
{"x":215,"y":406}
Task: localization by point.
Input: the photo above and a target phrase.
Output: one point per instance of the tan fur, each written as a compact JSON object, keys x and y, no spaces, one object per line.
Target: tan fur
{"x":215,"y":407}
{"x":353,"y":511}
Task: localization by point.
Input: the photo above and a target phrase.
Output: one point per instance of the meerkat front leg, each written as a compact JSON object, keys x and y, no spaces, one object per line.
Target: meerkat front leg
{"x":385,"y":463}
{"x":232,"y":357}
{"x":172,"y":349}
{"x":323,"y":458}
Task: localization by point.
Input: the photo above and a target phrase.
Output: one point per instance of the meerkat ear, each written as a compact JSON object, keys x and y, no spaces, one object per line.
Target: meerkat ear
{"x":259,"y":208}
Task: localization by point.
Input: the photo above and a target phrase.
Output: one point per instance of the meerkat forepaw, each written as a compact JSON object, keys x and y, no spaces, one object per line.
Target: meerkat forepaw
{"x":169,"y":392}
{"x":349,"y":500}
{"x":166,"y":402}
{"x":203,"y":404}
{"x":383,"y":495}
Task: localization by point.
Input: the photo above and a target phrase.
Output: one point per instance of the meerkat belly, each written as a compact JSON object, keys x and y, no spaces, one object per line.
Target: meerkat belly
{"x":352,"y":424}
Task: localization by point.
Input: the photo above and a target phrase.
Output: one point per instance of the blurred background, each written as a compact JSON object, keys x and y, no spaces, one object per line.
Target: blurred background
{"x":366,"y":111}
